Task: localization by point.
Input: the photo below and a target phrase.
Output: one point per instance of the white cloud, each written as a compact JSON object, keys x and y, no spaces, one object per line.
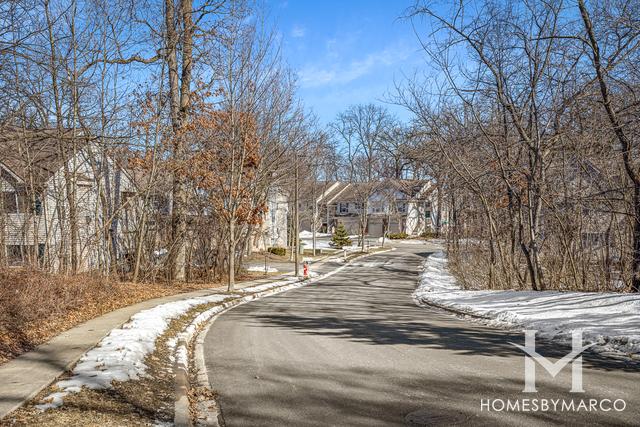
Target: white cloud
{"x":298,"y":31}
{"x":320,"y":75}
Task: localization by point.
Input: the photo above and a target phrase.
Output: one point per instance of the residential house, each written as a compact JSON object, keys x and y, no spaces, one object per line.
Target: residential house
{"x":394,"y":205}
{"x":42,"y":176}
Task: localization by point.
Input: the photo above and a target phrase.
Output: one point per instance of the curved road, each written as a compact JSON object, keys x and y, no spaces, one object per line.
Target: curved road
{"x":354,"y":350}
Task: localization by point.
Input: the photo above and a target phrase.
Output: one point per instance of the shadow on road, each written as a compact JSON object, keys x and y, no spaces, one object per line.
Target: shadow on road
{"x":363,"y":363}
{"x":316,"y":395}
{"x":376,"y":307}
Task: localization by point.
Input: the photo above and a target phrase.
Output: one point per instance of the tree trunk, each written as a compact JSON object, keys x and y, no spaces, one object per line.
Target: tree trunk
{"x":622,"y":138}
{"x":180,"y":102}
{"x":232,"y":255}
{"x":635,"y":262}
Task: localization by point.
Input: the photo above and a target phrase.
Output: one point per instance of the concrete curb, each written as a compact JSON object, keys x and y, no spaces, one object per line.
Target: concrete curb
{"x":24,"y":377}
{"x":181,"y":416}
{"x":208,"y":412}
{"x":182,"y":406}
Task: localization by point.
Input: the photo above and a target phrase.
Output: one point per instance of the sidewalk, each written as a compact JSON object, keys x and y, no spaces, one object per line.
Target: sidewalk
{"x":24,"y":377}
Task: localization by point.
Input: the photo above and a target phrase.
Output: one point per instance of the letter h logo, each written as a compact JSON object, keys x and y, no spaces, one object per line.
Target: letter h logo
{"x":531,"y":357}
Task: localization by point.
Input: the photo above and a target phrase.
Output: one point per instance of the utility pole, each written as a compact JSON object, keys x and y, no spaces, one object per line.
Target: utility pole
{"x":314,"y":220}
{"x":314,"y":211}
{"x":296,"y":223}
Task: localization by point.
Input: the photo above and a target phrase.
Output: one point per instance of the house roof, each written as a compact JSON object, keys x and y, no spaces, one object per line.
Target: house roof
{"x":37,"y":154}
{"x":334,"y":192}
{"x":411,"y":189}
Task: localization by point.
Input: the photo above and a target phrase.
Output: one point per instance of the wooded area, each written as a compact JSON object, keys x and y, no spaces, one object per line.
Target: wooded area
{"x":524,"y":116}
{"x":188,"y":102}
{"x":530,"y":120}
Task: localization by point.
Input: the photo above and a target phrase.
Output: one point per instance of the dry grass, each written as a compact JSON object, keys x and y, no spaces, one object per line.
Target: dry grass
{"x":143,"y":402}
{"x":36,"y":306}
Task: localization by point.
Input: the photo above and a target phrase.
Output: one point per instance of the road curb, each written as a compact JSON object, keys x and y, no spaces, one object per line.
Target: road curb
{"x":422,"y":302}
{"x":207,"y":412}
{"x":182,"y":405}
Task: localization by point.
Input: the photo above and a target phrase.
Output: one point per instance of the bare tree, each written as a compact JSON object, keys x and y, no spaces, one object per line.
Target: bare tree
{"x":362,"y":130}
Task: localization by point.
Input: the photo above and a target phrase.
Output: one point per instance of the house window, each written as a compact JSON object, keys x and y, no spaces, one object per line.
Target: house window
{"x":24,"y":203}
{"x":37,"y":206}
{"x":161,"y":204}
{"x":402,"y":207}
{"x":9,"y":202}
{"x":343,"y":208}
{"x":593,"y":239}
{"x":427,"y":215}
{"x":41,"y":251}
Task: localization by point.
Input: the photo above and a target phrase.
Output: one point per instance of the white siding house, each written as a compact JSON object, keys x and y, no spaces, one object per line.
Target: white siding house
{"x":36,"y":170}
{"x":273,"y":231}
{"x":408,"y":206}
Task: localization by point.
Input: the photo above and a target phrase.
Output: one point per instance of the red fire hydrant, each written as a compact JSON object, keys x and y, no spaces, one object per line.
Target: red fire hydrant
{"x":305,"y":270}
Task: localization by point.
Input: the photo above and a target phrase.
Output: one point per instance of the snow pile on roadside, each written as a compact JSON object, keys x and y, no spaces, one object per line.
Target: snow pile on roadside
{"x":120,"y":355}
{"x":184,"y":337}
{"x":304,"y":234}
{"x":404,"y":241}
{"x":320,"y":244}
{"x":260,"y":269}
{"x":610,"y":320}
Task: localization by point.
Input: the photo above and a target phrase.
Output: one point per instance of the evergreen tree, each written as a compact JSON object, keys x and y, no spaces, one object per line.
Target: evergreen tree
{"x":340,"y":238}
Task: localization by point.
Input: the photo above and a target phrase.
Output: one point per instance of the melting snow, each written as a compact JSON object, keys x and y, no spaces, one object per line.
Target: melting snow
{"x":304,"y":234}
{"x":120,"y":355}
{"x":260,"y":269}
{"x":610,"y":320}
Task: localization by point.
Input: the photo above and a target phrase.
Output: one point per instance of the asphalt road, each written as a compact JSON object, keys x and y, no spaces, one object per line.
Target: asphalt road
{"x":354,"y":350}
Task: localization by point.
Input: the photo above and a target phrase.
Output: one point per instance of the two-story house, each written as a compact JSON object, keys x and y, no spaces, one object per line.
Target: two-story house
{"x":62,"y":198}
{"x":392,"y":205}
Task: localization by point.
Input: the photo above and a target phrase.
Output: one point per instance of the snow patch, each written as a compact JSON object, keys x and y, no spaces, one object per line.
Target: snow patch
{"x":320,"y":244}
{"x":120,"y":355}
{"x":609,"y":320}
{"x":304,"y":234}
{"x":407,"y":241}
{"x":261,"y":269}
{"x":160,"y":252}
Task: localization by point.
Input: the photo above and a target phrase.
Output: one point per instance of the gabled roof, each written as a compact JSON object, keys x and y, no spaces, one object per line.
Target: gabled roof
{"x":332,"y":193}
{"x":37,"y":154}
{"x":410,"y":189}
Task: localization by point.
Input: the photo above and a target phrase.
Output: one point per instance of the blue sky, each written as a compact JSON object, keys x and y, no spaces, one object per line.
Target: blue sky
{"x":346,"y":52}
